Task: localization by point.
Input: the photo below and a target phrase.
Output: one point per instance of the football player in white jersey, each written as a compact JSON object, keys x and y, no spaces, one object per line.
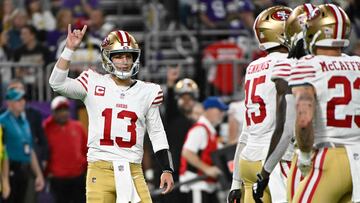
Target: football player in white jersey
{"x":120,"y":110}
{"x":260,"y":102}
{"x":281,"y":146}
{"x":326,"y":86}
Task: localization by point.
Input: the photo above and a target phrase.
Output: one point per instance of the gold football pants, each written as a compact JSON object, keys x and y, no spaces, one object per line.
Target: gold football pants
{"x":100,"y":182}
{"x":294,"y":179}
{"x":329,"y":179}
{"x":248,"y":171}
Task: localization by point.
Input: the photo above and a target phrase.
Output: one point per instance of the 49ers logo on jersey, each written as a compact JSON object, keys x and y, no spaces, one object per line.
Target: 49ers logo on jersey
{"x":99,"y":90}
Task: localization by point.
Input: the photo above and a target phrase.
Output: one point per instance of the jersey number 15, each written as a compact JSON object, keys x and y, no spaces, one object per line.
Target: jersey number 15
{"x":255,"y":99}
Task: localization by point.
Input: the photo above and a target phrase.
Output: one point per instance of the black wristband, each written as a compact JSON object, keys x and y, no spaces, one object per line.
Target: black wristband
{"x":165,"y":160}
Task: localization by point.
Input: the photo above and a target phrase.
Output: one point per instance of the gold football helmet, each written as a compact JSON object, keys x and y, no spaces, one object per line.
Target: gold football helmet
{"x":269,"y":27}
{"x":187,"y":86}
{"x":328,"y":26}
{"x":295,"y":24}
{"x":120,"y":42}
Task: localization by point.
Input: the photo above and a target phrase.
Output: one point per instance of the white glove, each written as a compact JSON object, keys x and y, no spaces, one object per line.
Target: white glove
{"x":304,"y":162}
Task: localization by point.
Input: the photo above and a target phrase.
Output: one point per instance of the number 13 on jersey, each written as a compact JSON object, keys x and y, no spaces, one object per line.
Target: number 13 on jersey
{"x":131,"y":128}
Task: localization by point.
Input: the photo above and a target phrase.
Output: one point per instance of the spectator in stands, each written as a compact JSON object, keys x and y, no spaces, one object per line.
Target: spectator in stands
{"x":97,"y":25}
{"x":64,"y":17}
{"x":180,"y":99}
{"x":31,"y":52}
{"x":201,"y":140}
{"x":42,"y":19}
{"x":39,"y":140}
{"x":19,"y":20}
{"x":19,"y":147}
{"x":5,"y":71}
{"x":35,"y":120}
{"x":6,"y":11}
{"x":81,"y":9}
{"x":67,"y":163}
{"x":225,"y":14}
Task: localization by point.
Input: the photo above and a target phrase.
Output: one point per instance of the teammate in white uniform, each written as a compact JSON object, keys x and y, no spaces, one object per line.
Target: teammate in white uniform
{"x":327,"y":91}
{"x":260,"y":101}
{"x":120,"y":110}
{"x":281,"y":145}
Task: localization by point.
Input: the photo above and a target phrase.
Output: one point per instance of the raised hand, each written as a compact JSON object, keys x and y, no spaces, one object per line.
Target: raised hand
{"x":74,"y":38}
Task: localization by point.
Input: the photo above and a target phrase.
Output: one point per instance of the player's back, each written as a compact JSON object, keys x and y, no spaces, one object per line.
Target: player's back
{"x":260,"y":103}
{"x":337,"y":84}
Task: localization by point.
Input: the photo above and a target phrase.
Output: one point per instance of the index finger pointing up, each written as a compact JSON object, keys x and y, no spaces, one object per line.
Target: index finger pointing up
{"x":84,"y":29}
{"x":69,"y":28}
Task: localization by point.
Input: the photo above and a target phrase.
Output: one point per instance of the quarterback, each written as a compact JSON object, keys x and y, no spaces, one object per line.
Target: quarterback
{"x":120,"y":110}
{"x":326,"y":86}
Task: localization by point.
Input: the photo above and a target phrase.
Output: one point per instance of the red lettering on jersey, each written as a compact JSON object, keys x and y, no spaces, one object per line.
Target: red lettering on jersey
{"x":124,"y":106}
{"x":343,"y":67}
{"x":324,"y":67}
{"x":99,"y":90}
{"x":258,"y":67}
{"x":340,"y":66}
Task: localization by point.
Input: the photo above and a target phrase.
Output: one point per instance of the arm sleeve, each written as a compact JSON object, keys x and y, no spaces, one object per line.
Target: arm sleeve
{"x":155,"y":129}
{"x":280,"y":139}
{"x":244,"y":134}
{"x":236,"y":174}
{"x":61,"y":83}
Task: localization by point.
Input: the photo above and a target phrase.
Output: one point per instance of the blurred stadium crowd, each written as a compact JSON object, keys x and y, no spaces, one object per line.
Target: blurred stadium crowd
{"x":209,"y":41}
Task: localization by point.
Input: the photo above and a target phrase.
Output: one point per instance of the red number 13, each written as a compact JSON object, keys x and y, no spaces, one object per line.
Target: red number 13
{"x":107,"y":114}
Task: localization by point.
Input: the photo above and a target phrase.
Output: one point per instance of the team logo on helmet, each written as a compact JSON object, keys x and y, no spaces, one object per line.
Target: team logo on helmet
{"x":269,"y":26}
{"x":281,"y":15}
{"x":105,"y":42}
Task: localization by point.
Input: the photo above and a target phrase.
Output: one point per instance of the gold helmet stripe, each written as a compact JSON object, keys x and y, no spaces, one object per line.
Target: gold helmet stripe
{"x":339,"y":31}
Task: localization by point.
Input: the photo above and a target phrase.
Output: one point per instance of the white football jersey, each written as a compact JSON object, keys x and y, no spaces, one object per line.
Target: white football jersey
{"x":337,"y":84}
{"x":260,"y":103}
{"x":119,"y":118}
